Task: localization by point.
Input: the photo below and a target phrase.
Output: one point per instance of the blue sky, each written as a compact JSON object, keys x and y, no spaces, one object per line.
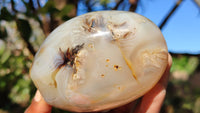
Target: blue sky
{"x":182,"y":31}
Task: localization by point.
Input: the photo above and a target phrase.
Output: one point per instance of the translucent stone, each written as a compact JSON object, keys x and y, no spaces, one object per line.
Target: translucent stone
{"x":99,"y":61}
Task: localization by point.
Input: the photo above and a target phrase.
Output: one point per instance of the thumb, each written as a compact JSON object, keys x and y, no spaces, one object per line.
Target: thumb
{"x":38,"y":105}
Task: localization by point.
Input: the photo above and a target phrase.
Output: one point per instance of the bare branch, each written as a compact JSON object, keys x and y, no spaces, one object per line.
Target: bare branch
{"x":53,"y":22}
{"x":45,"y":25}
{"x":32,"y":5}
{"x":38,"y":2}
{"x":133,"y":5}
{"x":30,"y":48}
{"x":169,"y":15}
{"x":73,"y":13}
{"x":117,"y":5}
{"x":89,"y":5}
{"x":13,"y":6}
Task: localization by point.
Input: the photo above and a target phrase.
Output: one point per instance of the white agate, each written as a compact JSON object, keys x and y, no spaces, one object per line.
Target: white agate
{"x":99,"y":61}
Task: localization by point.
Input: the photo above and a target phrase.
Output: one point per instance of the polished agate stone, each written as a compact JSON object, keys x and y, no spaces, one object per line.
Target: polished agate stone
{"x":100,"y":60}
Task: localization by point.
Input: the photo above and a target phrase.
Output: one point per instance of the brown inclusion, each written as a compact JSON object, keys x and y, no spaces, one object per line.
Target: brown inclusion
{"x":93,"y":25}
{"x":70,"y":55}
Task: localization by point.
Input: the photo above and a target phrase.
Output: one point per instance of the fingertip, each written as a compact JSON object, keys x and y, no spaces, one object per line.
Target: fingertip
{"x":37,"y":96}
{"x":38,"y":105}
{"x":165,"y":77}
{"x":169,"y":60}
{"x":152,"y":101}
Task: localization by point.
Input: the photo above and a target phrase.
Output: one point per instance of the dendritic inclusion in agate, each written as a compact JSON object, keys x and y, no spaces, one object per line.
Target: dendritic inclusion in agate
{"x":99,"y":61}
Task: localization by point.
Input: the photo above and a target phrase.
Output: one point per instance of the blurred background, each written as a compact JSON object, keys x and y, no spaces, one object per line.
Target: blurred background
{"x":24,"y":25}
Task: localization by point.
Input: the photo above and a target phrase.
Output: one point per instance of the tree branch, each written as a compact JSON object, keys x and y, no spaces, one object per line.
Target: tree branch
{"x":133,"y":5}
{"x":13,"y":6}
{"x":117,"y":5}
{"x":30,"y":47}
{"x":45,"y":25}
{"x":38,"y":3}
{"x":73,"y":13}
{"x":31,"y":5}
{"x":169,"y":15}
{"x":53,"y":22}
{"x":89,"y":6}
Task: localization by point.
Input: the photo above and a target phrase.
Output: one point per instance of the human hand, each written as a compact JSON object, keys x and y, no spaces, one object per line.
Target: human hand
{"x":151,"y":102}
{"x":38,"y":105}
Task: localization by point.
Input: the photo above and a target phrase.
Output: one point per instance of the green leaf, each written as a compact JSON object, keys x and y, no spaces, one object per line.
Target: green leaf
{"x":6,"y":15}
{"x":2,"y":84}
{"x":104,"y":2}
{"x":24,"y":28}
{"x":20,"y":91}
{"x":2,"y":47}
{"x":49,"y":7}
{"x":5,"y":56}
{"x":67,"y":9}
{"x":197,"y":106}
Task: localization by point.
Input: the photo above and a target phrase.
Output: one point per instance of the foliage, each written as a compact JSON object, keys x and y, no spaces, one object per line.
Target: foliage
{"x":6,"y":15}
{"x":185,"y":63}
{"x":23,"y":30}
{"x":183,"y":92}
{"x":15,"y":85}
{"x":21,"y":34}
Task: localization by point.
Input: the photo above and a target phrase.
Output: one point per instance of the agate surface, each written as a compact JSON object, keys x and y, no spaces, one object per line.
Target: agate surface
{"x":99,"y":61}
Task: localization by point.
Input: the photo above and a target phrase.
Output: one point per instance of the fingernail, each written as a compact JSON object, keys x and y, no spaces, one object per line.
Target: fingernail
{"x":38,"y":96}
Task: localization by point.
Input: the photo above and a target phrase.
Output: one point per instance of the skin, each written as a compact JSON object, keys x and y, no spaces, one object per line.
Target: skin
{"x":151,"y":102}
